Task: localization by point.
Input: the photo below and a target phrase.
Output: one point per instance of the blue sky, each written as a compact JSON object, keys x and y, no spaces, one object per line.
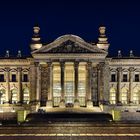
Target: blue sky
{"x":78,"y":17}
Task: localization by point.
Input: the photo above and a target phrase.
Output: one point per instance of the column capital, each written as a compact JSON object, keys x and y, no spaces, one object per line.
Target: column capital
{"x":131,"y":69}
{"x":76,"y":64}
{"x":119,"y":69}
{"x":62,"y":64}
{"x":98,"y":68}
{"x":36,"y":64}
{"x":89,"y":65}
{"x":95,"y":69}
{"x":19,"y":69}
{"x":49,"y":64}
{"x":100,"y":65}
{"x":7,"y":69}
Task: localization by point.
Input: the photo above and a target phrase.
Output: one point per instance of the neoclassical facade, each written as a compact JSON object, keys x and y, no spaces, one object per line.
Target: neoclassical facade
{"x":69,"y":72}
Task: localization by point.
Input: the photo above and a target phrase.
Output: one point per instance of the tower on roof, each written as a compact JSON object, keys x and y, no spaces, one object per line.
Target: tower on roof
{"x":36,"y":40}
{"x":102,"y":39}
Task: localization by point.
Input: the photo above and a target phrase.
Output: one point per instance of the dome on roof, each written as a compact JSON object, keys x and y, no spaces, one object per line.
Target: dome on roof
{"x":70,"y":36}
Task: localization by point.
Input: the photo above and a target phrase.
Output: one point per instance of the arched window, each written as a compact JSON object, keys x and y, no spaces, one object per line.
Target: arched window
{"x":112,"y":96}
{"x":14,"y":96}
{"x":124,"y":93}
{"x":136,"y":94}
{"x":2,"y":96}
{"x":26,"y":95}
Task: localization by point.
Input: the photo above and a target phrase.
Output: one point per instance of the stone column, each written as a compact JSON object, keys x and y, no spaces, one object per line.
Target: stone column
{"x":118,"y":100}
{"x":62,"y":102}
{"x":38,"y":83}
{"x":106,"y":79}
{"x":7,"y":78}
{"x":20,"y":96}
{"x":95,"y":86}
{"x":44,"y":84}
{"x":76,"y":101}
{"x":101,"y":82}
{"x":50,"y":85}
{"x":99,"y":97}
{"x":32,"y":74}
{"x":89,"y":102}
{"x":131,"y":76}
{"x":98,"y":89}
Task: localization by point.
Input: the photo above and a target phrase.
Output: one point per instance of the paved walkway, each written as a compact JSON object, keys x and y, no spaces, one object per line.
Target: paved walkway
{"x":66,"y":131}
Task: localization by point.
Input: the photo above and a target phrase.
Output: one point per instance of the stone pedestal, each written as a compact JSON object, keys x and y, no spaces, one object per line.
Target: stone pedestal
{"x":89,"y":104}
{"x":49,"y":104}
{"x":76,"y":103}
{"x":37,"y":106}
{"x":62,"y":104}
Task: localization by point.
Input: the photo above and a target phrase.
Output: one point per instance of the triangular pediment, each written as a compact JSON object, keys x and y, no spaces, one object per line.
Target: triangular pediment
{"x":69,"y":44}
{"x":69,"y":47}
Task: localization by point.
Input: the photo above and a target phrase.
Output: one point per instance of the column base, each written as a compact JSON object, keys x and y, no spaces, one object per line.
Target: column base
{"x":49,"y":104}
{"x":89,"y":104}
{"x":119,"y":103}
{"x":76,"y":103}
{"x":6,"y":103}
{"x":62,"y":103}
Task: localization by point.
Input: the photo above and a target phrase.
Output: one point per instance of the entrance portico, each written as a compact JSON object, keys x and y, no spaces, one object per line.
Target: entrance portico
{"x":66,"y":72}
{"x":69,"y":83}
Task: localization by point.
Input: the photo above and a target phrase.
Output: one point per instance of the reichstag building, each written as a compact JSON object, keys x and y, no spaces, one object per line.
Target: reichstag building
{"x":69,"y":73}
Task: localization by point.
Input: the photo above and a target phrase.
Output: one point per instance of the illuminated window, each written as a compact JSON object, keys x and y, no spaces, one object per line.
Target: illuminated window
{"x":26,"y":96}
{"x":14,"y":95}
{"x":2,"y":96}
{"x":1,"y":77}
{"x":136,"y":77}
{"x":69,"y":83}
{"x":124,"y":77}
{"x":136,"y":94}
{"x":124,"y":93}
{"x":112,"y":96}
{"x":82,"y":84}
{"x":56,"y":85}
{"x":113,"y":78}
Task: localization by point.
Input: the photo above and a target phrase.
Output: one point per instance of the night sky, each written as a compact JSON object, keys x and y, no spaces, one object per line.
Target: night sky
{"x":82,"y":18}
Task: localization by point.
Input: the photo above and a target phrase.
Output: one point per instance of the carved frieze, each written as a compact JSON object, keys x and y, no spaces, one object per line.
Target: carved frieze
{"x":69,"y":47}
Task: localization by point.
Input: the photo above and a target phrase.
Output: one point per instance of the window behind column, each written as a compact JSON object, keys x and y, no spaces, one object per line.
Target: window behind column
{"x":56,"y":85}
{"x":82,"y":84}
{"x":69,"y":83}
